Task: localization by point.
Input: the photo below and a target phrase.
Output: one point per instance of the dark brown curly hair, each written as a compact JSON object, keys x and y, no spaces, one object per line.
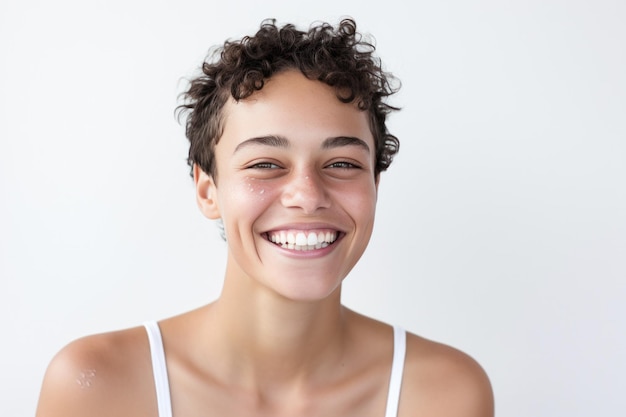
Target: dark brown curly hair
{"x":337,"y":56}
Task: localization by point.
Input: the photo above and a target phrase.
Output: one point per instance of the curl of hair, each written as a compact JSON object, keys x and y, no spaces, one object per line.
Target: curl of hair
{"x":338,"y":57}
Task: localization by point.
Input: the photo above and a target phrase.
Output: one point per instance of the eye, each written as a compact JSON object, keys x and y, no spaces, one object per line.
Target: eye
{"x":263,"y":165}
{"x":344,"y":165}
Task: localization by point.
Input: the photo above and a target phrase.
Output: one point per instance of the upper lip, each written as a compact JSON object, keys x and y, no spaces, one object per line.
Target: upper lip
{"x":305,"y":227}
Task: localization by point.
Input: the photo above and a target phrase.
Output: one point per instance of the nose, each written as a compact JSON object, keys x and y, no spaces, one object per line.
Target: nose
{"x":305,"y":190}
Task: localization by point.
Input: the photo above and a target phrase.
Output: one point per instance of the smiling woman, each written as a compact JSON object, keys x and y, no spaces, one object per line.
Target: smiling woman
{"x":288,"y":140}
{"x":309,"y":155}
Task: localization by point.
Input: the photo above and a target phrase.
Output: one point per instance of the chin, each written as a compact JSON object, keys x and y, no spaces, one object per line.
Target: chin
{"x":309,"y":290}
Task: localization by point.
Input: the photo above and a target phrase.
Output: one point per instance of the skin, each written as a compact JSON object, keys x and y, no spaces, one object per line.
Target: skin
{"x":277,"y":342}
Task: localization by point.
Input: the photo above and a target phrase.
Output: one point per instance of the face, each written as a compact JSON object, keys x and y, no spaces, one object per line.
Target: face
{"x":295,"y":187}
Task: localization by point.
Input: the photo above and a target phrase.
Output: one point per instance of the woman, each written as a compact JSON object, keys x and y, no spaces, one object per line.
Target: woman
{"x":287,"y":142}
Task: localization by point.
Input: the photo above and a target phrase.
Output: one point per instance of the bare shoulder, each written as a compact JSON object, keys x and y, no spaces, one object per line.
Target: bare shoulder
{"x":99,"y":375}
{"x":442,"y":381}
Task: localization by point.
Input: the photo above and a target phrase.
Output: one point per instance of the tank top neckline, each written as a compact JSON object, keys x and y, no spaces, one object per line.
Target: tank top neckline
{"x":161,"y":380}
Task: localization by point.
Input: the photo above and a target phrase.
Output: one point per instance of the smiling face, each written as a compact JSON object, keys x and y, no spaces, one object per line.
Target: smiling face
{"x":295,"y":187}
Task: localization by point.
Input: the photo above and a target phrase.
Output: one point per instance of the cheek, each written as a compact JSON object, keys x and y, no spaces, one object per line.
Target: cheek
{"x":363,"y":192}
{"x":360,"y":200}
{"x":250,"y":196}
{"x":256,"y":190}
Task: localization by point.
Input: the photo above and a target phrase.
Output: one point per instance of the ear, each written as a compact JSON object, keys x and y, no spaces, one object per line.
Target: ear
{"x":206,"y":193}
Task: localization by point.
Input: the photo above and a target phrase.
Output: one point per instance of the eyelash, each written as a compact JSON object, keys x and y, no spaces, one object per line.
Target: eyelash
{"x":264,"y":165}
{"x":344,"y":165}
{"x":338,"y":165}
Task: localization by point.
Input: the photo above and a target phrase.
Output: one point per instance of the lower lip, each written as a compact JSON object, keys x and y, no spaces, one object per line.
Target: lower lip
{"x":307,"y":254}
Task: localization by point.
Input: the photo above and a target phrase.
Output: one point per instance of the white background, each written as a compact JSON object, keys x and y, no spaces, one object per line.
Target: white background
{"x":501,"y":227}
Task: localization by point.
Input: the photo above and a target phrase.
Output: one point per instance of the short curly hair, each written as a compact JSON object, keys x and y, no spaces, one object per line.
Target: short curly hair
{"x":338,"y":57}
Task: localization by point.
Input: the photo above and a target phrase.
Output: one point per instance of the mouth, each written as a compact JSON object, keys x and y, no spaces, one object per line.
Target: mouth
{"x":303,"y":240}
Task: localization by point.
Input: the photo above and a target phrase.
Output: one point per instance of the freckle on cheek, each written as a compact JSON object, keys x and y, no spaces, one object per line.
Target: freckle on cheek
{"x":255,"y":189}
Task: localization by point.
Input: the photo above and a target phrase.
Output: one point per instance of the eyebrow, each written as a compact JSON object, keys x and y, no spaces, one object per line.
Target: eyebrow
{"x":270,"y":140}
{"x":283,"y":142}
{"x":339,"y":141}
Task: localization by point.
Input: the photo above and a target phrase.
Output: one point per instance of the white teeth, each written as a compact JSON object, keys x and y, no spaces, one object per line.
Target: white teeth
{"x":302,"y":240}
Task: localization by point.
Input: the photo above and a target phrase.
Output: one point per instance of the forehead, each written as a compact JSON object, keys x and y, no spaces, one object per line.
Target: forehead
{"x":292,"y":106}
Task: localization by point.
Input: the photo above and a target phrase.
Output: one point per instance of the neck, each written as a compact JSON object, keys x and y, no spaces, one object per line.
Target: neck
{"x":267,"y":339}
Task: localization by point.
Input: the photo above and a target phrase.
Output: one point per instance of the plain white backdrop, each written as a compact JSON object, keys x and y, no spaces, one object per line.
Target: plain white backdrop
{"x":501,"y":227}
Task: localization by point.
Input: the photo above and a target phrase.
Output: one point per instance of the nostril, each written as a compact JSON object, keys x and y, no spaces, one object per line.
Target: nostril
{"x":305,"y":191}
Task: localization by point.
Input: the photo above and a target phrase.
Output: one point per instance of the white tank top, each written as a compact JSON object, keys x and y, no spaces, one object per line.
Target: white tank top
{"x":161,"y":381}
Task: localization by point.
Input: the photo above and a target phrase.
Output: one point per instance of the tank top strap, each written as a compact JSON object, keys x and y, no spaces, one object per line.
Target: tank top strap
{"x":397,"y":370}
{"x":161,"y":381}
{"x":159,"y":369}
